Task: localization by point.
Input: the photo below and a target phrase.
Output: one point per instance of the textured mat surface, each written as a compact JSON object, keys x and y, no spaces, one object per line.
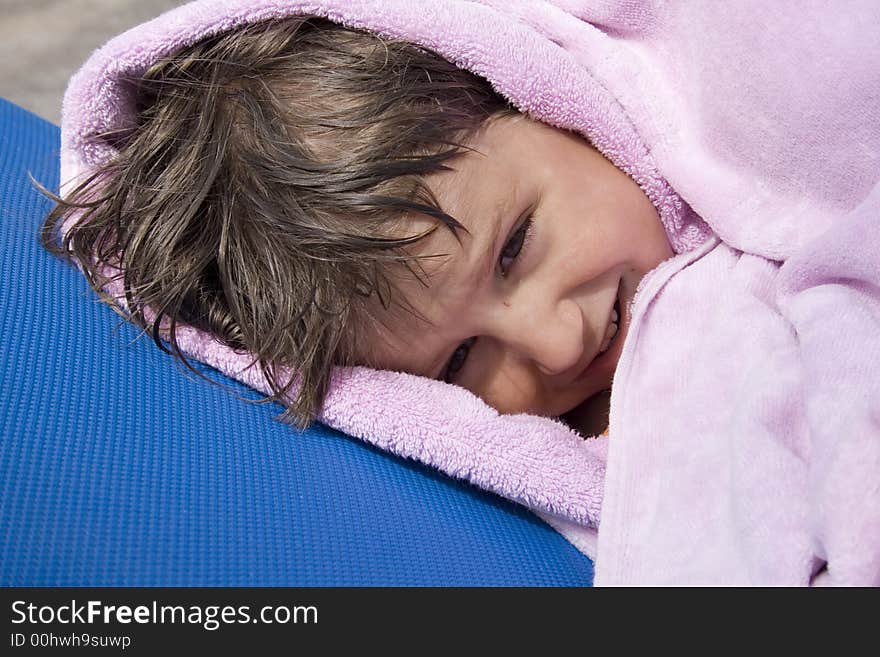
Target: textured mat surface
{"x":118,"y":468}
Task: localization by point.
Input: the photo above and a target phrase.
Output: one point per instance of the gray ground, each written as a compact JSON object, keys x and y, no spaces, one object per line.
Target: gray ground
{"x":43,"y":42}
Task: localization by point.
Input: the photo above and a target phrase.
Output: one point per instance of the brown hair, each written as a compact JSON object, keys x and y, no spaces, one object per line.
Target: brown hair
{"x":258,"y":195}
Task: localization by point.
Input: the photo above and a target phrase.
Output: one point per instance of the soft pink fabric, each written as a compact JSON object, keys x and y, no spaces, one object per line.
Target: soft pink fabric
{"x":744,"y":416}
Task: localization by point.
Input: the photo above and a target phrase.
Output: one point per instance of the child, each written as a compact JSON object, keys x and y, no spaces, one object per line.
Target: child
{"x":310,"y":197}
{"x":529,"y":313}
{"x":278,"y":221}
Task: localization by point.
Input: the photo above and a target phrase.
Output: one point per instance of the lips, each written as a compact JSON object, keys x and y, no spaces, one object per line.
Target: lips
{"x":609,"y":350}
{"x":612,"y":329}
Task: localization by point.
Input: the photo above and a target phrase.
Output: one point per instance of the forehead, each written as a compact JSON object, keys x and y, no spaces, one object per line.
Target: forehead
{"x":479,"y":191}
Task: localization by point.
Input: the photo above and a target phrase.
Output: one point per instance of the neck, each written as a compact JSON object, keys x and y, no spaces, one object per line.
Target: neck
{"x":591,"y":417}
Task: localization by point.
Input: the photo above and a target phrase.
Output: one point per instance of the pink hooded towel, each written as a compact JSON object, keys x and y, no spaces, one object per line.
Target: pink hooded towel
{"x":744,"y":443}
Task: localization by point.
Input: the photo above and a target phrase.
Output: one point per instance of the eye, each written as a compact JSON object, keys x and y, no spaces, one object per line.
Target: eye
{"x":458,"y":359}
{"x":511,"y":251}
{"x":515,"y":246}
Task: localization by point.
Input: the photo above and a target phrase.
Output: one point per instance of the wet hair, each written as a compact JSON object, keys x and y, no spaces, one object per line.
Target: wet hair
{"x":261,"y":192}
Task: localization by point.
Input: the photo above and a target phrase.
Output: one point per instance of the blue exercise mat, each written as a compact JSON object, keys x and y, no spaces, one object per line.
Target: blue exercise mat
{"x":119,"y":468}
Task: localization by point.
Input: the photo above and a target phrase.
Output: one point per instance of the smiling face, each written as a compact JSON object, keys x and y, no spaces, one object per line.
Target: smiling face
{"x":521,"y":308}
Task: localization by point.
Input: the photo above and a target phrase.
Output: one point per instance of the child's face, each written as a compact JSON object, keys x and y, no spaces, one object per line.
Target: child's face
{"x":523,"y":322}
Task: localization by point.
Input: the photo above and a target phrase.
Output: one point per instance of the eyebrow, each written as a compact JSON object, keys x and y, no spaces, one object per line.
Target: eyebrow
{"x":484,"y":266}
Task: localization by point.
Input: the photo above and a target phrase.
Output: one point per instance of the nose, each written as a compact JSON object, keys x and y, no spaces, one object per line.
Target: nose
{"x":551,"y":335}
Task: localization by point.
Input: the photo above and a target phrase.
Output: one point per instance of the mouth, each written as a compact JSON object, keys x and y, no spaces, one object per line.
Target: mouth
{"x":609,"y":351}
{"x":612,"y":329}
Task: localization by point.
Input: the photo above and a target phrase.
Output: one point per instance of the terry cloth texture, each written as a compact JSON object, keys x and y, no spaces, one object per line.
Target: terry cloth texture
{"x":758,"y":143}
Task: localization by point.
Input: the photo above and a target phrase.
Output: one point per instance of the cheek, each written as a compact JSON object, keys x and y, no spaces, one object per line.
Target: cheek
{"x":644,"y":231}
{"x":512,"y":393}
{"x":631,"y":232}
{"x":512,"y":390}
